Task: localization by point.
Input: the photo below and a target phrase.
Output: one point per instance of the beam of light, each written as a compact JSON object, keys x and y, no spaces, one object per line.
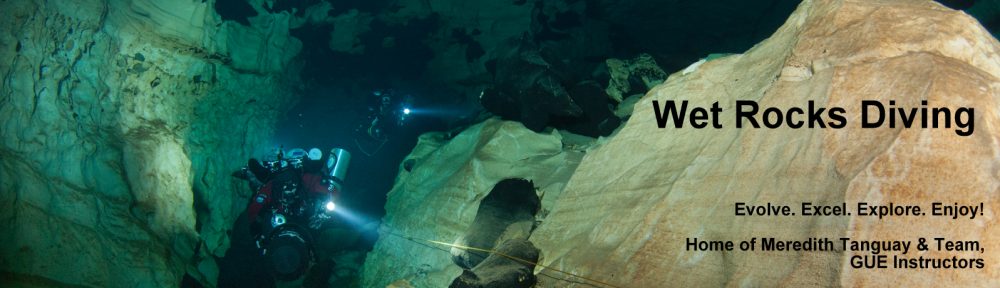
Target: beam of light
{"x":354,"y":219}
{"x":440,"y":112}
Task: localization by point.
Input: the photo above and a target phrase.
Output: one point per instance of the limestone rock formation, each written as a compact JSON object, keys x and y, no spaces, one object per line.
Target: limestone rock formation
{"x":121,"y":123}
{"x":642,"y":69}
{"x":632,"y":202}
{"x":439,"y":190}
{"x":624,"y":216}
{"x":528,"y":89}
{"x":513,"y":270}
{"x":348,"y":27}
{"x":487,"y":23}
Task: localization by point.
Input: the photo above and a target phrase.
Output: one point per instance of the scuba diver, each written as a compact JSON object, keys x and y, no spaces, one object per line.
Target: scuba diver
{"x":294,"y":195}
{"x":386,"y":113}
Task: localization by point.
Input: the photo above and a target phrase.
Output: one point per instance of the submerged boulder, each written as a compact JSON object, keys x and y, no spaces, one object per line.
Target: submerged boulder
{"x":628,"y":77}
{"x":530,"y":89}
{"x":527,"y":88}
{"x":632,"y":204}
{"x":509,"y":267}
{"x":439,"y":192}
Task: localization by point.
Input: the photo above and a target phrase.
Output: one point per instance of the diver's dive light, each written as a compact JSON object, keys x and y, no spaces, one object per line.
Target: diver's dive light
{"x":330,"y":206}
{"x":337,"y":166}
{"x":406,"y":111}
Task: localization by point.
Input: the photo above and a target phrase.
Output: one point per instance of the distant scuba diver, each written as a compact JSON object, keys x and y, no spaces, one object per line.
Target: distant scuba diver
{"x":386,"y":113}
{"x":294,"y":195}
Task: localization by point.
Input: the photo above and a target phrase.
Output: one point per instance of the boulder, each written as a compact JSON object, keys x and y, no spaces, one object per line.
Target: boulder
{"x":626,"y":74}
{"x":438,"y":192}
{"x":527,"y":89}
{"x":627,"y":212}
{"x":510,"y":266}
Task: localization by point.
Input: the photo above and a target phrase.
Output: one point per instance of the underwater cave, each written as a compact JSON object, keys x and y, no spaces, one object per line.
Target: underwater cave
{"x":390,"y":143}
{"x":510,"y":202}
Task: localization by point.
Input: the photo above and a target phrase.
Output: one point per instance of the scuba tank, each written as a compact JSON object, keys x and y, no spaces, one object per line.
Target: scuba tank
{"x":336,"y":166}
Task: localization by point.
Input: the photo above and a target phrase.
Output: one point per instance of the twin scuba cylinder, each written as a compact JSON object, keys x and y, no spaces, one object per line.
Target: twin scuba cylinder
{"x":286,"y":241}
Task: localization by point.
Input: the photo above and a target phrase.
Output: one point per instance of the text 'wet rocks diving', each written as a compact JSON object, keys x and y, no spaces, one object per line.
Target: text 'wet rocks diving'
{"x":873,"y":114}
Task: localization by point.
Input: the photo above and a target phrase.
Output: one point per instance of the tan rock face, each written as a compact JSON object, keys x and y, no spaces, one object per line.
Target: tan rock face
{"x":121,"y":123}
{"x":629,"y":207}
{"x":626,"y":213}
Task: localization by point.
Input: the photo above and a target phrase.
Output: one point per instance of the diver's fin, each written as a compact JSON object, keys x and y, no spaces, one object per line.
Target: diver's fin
{"x":242,"y":174}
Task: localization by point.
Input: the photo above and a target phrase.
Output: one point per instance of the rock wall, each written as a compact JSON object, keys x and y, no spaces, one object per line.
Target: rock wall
{"x":670,"y":184}
{"x":629,"y":205}
{"x":122,"y":122}
{"x":439,"y":189}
